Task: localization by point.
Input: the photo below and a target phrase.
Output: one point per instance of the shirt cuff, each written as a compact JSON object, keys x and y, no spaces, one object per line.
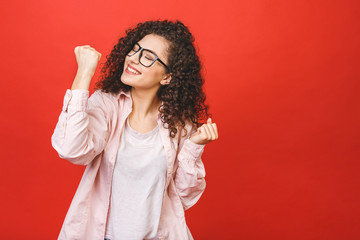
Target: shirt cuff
{"x":192,"y":150}
{"x":75,"y":100}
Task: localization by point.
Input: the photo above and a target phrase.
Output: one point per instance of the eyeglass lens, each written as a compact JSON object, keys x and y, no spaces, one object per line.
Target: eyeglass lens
{"x":146,"y":57}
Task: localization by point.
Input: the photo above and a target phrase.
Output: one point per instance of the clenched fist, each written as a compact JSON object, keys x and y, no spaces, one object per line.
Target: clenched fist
{"x":87,"y":59}
{"x":206,"y":133}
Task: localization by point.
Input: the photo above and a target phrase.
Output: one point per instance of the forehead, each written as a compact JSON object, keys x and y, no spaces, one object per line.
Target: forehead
{"x":155,"y":43}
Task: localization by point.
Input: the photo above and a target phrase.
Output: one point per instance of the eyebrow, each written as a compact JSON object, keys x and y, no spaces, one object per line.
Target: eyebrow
{"x":149,"y":50}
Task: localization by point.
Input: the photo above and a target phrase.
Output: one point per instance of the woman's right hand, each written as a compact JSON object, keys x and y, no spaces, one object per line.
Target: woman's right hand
{"x":87,"y":59}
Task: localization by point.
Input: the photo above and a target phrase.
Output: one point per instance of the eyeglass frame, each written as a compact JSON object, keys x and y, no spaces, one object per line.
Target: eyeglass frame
{"x":141,"y":49}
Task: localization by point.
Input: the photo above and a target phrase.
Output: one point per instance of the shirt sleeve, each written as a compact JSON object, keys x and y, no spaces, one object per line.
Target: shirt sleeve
{"x":190,"y":175}
{"x":82,"y":129}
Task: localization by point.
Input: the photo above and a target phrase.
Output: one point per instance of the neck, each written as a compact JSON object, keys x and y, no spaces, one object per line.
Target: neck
{"x":145,"y":103}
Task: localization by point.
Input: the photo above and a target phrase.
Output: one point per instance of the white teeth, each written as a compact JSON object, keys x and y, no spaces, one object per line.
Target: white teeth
{"x":132,"y":70}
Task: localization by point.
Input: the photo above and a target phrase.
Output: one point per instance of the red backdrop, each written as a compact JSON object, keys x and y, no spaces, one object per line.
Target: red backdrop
{"x":282,"y":80}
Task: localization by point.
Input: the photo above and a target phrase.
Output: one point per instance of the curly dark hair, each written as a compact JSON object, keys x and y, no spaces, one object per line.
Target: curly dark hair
{"x":183,"y":98}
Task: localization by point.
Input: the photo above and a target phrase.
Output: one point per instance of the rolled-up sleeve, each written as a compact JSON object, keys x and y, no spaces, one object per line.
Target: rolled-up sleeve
{"x":190,"y":175}
{"x":82,"y":129}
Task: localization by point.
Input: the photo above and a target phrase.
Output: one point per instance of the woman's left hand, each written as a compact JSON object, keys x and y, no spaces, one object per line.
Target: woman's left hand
{"x":206,"y":133}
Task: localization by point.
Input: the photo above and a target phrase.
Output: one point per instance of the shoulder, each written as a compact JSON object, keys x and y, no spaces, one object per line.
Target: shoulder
{"x":106,"y":102}
{"x":106,"y":97}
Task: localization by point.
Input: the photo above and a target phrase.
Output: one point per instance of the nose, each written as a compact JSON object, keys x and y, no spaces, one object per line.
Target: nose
{"x":135,"y":58}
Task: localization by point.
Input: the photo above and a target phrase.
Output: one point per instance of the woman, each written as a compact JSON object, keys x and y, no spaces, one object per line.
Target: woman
{"x":139,"y":136}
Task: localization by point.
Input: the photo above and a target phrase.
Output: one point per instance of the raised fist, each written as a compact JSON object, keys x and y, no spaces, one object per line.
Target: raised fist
{"x":87,"y":59}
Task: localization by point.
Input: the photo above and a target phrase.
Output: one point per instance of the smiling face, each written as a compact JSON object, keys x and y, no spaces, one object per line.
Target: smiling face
{"x":139,"y":76}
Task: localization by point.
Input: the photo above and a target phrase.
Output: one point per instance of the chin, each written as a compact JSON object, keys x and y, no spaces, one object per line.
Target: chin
{"x":124,"y":80}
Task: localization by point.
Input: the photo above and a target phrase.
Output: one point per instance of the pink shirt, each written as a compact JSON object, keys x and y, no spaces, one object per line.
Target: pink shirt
{"x":88,"y":133}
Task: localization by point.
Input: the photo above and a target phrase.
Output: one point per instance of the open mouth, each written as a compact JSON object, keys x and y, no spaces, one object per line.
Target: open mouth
{"x":132,"y":70}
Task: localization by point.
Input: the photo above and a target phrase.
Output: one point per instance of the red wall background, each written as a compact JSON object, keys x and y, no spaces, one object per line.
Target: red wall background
{"x":282,"y":80}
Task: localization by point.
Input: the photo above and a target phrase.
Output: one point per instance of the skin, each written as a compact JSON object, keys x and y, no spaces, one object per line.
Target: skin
{"x":206,"y":133}
{"x":145,"y":85}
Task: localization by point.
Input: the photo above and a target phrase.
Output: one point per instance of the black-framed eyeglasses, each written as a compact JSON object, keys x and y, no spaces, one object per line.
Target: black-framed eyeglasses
{"x":146,"y":56}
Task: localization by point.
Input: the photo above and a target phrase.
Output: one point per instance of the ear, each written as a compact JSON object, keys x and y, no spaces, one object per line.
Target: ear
{"x":166,"y":80}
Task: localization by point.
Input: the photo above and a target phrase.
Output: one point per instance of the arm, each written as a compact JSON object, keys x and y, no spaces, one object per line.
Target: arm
{"x":82,"y":129}
{"x":190,"y":175}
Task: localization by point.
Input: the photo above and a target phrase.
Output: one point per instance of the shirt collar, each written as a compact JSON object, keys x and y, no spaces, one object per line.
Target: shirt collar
{"x":127,"y":94}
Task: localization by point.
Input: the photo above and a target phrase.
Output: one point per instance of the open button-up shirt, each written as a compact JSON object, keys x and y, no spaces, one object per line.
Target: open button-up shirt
{"x":88,"y":133}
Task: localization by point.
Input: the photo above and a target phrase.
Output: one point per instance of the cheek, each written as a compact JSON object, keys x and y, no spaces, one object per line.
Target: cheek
{"x":152,"y":74}
{"x":158,"y":76}
{"x":126,"y":61}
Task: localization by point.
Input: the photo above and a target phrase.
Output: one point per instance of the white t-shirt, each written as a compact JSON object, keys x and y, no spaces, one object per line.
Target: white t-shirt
{"x":137,"y":187}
